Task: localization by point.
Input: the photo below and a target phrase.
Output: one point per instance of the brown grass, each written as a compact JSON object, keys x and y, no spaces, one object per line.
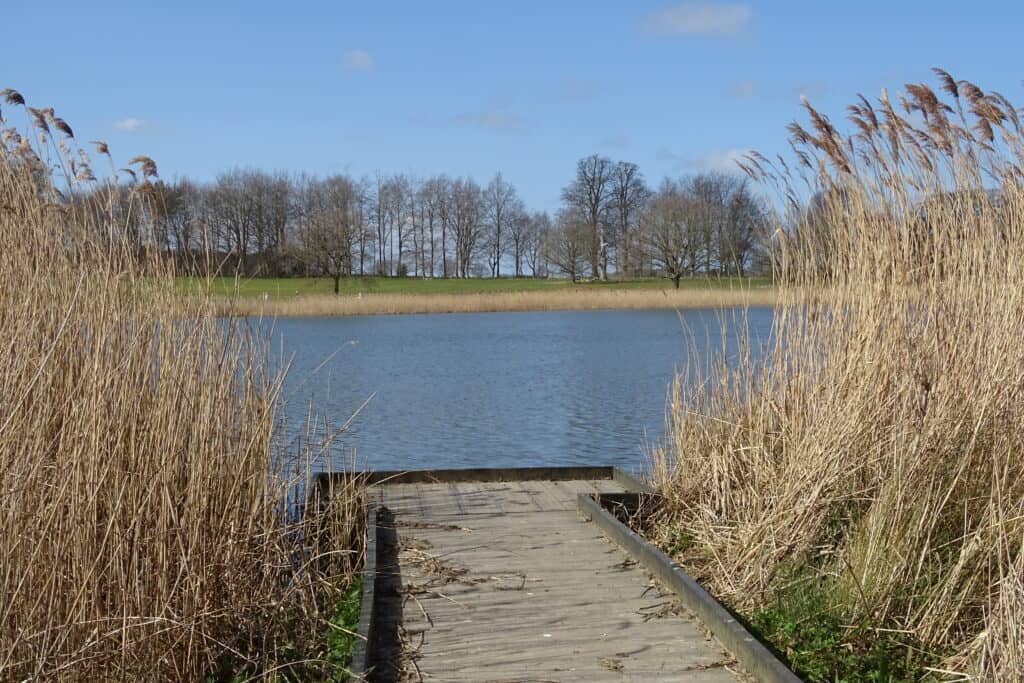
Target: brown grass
{"x":571,"y":300}
{"x":880,"y":444}
{"x":145,"y":531}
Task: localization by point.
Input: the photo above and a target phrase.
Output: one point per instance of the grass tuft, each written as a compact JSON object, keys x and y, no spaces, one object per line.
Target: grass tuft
{"x":341,"y":635}
{"x":807,"y":629}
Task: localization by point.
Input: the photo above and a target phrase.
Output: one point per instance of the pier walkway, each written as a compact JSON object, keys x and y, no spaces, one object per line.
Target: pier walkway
{"x":502,"y":581}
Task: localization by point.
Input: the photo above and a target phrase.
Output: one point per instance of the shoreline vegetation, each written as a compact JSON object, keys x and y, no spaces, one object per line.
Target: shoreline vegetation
{"x":857,"y":491}
{"x":148,"y":528}
{"x":391,"y":296}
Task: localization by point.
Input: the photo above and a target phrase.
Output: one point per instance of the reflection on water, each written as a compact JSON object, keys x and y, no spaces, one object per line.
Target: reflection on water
{"x":496,"y":389}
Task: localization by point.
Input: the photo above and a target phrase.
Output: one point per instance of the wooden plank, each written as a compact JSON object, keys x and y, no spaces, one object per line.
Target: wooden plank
{"x":476,"y":499}
{"x":504,"y":582}
{"x":456,"y":497}
{"x":532,"y":490}
{"x":547,"y":496}
{"x":605,"y":485}
{"x":513,"y":474}
{"x":513,"y":498}
{"x":568,"y":490}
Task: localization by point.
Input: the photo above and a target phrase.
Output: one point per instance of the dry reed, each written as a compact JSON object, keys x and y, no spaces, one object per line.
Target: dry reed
{"x":145,"y":531}
{"x":880,"y":441}
{"x":560,"y":300}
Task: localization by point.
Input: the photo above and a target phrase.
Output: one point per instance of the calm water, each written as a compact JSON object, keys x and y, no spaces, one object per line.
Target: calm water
{"x":495,"y":389}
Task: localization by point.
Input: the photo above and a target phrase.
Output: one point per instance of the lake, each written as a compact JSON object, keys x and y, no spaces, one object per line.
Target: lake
{"x":496,"y":389}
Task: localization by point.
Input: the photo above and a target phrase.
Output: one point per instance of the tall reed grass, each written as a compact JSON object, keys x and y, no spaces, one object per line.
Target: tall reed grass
{"x":555,"y":300}
{"x":145,"y":531}
{"x":878,"y":444}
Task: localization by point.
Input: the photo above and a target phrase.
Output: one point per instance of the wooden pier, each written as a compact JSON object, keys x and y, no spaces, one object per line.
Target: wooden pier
{"x":503,"y":581}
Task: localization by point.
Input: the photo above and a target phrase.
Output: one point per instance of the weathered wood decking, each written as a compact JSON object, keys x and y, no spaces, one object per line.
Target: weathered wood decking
{"x":503,"y":582}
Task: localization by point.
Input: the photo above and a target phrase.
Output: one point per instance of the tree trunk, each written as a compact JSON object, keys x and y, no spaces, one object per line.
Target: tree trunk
{"x":602,"y":256}
{"x":444,"y":250}
{"x":675,"y":279}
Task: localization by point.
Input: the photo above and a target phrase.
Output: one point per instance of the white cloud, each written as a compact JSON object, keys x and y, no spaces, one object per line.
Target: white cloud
{"x":490,"y":119}
{"x":721,"y":160}
{"x":700,"y":18}
{"x":130,"y":125}
{"x":358,"y":60}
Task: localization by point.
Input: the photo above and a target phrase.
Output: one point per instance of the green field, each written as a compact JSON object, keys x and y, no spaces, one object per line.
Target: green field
{"x":289,"y":287}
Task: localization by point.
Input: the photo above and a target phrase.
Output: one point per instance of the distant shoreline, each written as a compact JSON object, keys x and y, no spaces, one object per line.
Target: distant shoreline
{"x":330,"y":305}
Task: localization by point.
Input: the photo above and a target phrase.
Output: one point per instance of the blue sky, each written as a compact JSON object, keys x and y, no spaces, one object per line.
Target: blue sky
{"x":474,"y":87}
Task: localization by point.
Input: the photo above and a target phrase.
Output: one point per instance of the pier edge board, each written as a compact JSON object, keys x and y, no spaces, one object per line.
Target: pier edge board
{"x":759,"y":661}
{"x":359,"y":667}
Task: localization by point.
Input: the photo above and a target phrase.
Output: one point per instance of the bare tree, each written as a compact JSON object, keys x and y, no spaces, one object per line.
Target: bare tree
{"x":712,"y":192}
{"x":442,"y":192}
{"x":379,"y":202}
{"x":398,"y":212}
{"x":330,"y":224}
{"x":744,"y":226}
{"x":628,"y":196}
{"x":421,"y":222}
{"x":269,"y":194}
{"x":417,"y":230}
{"x":499,"y":204}
{"x":728,"y":221}
{"x":249,"y":210}
{"x":709,"y":223}
{"x":670,"y":230}
{"x":430,"y":198}
{"x":566,"y":244}
{"x":232,"y":217}
{"x":538,"y":227}
{"x":367,"y":233}
{"x":176,"y":215}
{"x":589,"y":195}
{"x":466,"y":223}
{"x":519,"y":235}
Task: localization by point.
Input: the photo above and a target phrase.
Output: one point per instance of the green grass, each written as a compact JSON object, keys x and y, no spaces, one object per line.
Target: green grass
{"x":804,"y":627}
{"x":289,"y":287}
{"x":341,"y":639}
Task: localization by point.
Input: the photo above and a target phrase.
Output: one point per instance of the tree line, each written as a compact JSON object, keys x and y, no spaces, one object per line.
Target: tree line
{"x":257,"y":223}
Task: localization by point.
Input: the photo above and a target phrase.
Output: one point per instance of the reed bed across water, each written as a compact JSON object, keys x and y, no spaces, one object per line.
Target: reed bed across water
{"x":556,"y":300}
